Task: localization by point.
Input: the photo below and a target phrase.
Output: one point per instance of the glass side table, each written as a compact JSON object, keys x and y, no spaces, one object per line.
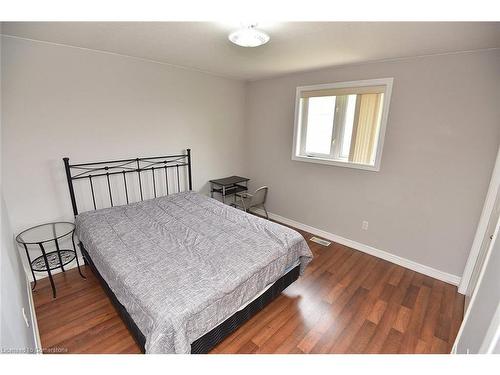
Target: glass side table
{"x":40,"y":237}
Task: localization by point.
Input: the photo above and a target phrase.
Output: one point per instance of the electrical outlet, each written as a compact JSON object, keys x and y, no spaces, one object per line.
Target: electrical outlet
{"x":25,"y":317}
{"x":364,"y":225}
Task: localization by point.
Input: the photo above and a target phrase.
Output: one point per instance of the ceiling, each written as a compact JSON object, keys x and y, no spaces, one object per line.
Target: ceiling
{"x":294,"y":46}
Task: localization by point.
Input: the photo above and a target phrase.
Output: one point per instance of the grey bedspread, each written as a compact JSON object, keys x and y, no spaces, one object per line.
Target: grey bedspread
{"x":184,"y":263}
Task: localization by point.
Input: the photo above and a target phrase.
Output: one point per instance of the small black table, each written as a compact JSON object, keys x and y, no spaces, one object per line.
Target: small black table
{"x":41,"y":236}
{"x":228,"y":186}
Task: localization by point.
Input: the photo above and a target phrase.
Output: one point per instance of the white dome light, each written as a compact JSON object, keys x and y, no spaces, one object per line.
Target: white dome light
{"x":249,"y":37}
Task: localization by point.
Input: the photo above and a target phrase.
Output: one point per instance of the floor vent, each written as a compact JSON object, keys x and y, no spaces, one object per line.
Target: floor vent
{"x":320,"y":241}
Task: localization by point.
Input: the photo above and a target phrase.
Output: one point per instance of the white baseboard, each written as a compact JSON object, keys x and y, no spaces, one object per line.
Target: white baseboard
{"x":421,"y":268}
{"x":34,"y":322}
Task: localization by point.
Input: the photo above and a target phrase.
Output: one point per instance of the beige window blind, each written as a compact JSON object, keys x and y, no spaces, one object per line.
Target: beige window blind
{"x":366,"y":128}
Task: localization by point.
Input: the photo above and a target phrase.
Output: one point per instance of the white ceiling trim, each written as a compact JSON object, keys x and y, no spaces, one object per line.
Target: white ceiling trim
{"x":124,"y":55}
{"x":368,"y":62}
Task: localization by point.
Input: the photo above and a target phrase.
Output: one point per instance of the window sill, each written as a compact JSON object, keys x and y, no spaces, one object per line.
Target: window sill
{"x":318,"y":160}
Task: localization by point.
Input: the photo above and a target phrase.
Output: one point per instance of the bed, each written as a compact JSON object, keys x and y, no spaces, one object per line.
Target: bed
{"x":183,"y":269}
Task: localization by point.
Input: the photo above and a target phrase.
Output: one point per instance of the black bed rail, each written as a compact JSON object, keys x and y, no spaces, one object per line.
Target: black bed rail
{"x":106,"y":169}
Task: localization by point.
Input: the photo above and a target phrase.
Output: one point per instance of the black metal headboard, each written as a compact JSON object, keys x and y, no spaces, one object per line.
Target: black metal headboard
{"x":115,"y":172}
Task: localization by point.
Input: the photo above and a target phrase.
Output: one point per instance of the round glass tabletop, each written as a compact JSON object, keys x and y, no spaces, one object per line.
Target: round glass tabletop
{"x":45,"y":232}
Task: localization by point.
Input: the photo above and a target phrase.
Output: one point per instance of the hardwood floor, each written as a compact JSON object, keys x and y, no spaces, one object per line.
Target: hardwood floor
{"x":346,"y":302}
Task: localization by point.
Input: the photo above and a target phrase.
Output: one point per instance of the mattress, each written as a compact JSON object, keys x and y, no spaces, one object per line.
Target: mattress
{"x":184,"y":263}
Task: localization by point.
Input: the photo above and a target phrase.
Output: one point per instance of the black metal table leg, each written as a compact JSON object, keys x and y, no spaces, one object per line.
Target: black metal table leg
{"x":59,"y":254}
{"x":48,"y":269}
{"x":31,"y":268}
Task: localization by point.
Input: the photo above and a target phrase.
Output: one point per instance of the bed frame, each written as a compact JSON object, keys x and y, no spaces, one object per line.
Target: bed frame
{"x":142,"y":168}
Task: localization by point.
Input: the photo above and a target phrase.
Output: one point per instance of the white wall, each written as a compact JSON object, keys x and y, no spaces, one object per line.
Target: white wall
{"x":442,"y":135}
{"x":62,"y":101}
{"x":16,"y":336}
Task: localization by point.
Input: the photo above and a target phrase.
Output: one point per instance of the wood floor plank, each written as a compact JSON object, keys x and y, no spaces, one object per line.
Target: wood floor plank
{"x":432,"y":313}
{"x":257,"y":323}
{"x":273,"y":327}
{"x":367,"y":308}
{"x":346,"y":337}
{"x":308,"y":342}
{"x":88,"y":340}
{"x":402,"y":319}
{"x":380,"y":271}
{"x":392,"y":343}
{"x":411,"y":296}
{"x":383,"y":328}
{"x":422,"y":347}
{"x":387,"y":292}
{"x":377,"y":311}
{"x":443,"y":328}
{"x":342,"y":319}
{"x":396,"y":276}
{"x":439,"y":346}
{"x":248,"y":348}
{"x":457,"y":317}
{"x":412,"y":333}
{"x":346,"y":302}
{"x":362,"y":337}
{"x":349,"y":286}
{"x":390,"y":314}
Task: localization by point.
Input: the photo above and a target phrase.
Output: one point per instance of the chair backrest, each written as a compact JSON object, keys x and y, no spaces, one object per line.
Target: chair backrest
{"x":260,"y":196}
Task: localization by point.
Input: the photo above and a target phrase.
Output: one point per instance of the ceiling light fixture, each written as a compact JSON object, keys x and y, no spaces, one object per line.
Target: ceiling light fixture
{"x":249,"y":36}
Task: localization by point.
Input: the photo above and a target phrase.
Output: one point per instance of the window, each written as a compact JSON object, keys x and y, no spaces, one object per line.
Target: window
{"x":342,"y":123}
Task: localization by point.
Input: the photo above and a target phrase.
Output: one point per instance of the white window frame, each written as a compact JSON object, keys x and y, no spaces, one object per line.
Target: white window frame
{"x":298,"y":153}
